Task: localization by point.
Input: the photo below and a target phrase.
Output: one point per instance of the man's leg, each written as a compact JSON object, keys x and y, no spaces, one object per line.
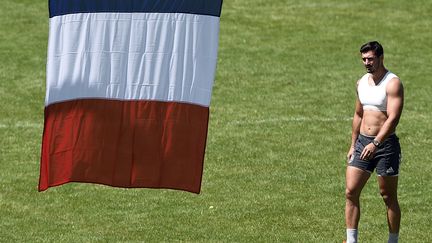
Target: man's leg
{"x":388,"y":190}
{"x":355,"y":181}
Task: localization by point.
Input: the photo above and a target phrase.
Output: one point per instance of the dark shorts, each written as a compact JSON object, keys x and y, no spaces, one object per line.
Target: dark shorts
{"x":386,"y":160}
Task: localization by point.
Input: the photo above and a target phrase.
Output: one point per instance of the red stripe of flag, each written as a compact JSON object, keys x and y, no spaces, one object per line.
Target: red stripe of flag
{"x":124,"y":144}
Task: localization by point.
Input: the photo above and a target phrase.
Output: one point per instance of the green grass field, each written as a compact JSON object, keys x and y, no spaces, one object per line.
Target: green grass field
{"x":278,"y":134}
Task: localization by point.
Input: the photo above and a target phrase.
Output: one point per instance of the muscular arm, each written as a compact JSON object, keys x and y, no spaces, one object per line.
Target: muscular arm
{"x":395,"y":100}
{"x":357,"y":119}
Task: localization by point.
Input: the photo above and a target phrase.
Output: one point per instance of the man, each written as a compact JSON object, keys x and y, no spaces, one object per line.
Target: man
{"x":374,"y":143}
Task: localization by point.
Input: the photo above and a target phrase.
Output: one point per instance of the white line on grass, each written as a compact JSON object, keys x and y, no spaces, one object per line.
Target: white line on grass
{"x":238,"y":122}
{"x":21,"y":125}
{"x":291,"y":119}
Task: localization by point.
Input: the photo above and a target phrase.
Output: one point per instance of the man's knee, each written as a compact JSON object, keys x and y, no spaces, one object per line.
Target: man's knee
{"x":389,"y":198}
{"x":352,"y":195}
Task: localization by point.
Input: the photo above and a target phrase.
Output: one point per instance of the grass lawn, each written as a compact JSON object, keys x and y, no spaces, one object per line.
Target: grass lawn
{"x":279,"y":130}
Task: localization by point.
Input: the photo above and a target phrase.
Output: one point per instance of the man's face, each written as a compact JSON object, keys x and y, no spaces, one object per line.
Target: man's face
{"x":370,"y":61}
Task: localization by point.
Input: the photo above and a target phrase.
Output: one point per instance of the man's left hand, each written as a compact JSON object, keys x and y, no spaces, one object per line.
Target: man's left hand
{"x":368,"y":152}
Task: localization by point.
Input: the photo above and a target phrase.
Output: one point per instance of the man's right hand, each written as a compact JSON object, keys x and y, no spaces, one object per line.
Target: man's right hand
{"x":350,"y":153}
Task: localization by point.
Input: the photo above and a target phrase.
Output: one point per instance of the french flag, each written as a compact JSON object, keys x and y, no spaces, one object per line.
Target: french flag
{"x":128,"y":90}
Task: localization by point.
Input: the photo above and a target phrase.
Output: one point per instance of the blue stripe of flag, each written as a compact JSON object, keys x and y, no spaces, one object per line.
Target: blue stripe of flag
{"x":200,"y":7}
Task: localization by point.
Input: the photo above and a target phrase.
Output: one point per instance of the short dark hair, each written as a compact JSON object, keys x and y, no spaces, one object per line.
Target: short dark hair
{"x":374,"y":46}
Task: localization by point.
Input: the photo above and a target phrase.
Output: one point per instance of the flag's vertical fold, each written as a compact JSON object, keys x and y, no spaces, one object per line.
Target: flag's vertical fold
{"x":128,"y":91}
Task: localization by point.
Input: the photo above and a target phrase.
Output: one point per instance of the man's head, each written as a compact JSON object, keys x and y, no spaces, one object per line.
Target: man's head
{"x":372,"y":54}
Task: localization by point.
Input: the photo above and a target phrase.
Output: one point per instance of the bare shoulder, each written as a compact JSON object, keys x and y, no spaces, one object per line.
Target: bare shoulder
{"x":395,"y":86}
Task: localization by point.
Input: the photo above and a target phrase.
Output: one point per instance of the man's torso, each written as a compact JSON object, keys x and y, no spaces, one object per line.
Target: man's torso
{"x":373,"y":98}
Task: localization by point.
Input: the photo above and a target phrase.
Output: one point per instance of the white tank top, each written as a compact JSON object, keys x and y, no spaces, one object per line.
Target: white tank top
{"x":374,"y":97}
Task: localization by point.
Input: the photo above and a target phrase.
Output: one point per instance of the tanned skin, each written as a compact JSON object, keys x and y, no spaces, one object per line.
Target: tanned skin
{"x":379,"y":124}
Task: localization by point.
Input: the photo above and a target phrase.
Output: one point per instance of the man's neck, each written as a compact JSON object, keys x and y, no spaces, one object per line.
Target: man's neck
{"x":378,"y":75}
